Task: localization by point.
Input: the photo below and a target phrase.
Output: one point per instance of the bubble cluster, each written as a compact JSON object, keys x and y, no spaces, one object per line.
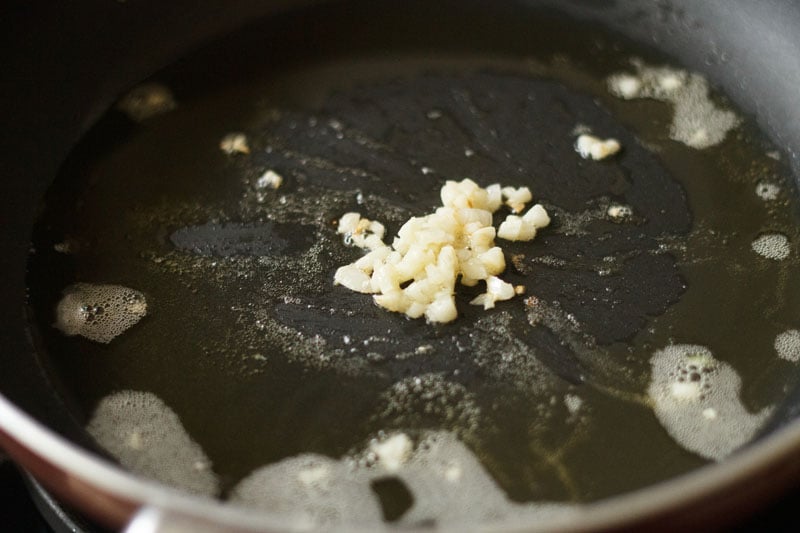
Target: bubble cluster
{"x":696,"y":399}
{"x":573,"y":402}
{"x":577,"y":223}
{"x":448,"y":484}
{"x":451,"y":487}
{"x":767,"y":190}
{"x":430,"y":400}
{"x":787,"y":344}
{"x":99,"y":312}
{"x":773,"y":246}
{"x":696,"y":121}
{"x":619,"y":212}
{"x":310,"y":489}
{"x":147,"y":437}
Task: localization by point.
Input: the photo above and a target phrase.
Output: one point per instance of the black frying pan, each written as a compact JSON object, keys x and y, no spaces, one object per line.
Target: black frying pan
{"x":656,"y":279}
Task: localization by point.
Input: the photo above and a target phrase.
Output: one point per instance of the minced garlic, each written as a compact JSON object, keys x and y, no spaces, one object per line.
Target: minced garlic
{"x":234,"y":143}
{"x":269,"y":180}
{"x":517,"y":198}
{"x":516,"y":228}
{"x":417,"y":274}
{"x":595,"y":148}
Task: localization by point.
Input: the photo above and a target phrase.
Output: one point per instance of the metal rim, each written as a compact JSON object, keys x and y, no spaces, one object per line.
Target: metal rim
{"x":625,"y":510}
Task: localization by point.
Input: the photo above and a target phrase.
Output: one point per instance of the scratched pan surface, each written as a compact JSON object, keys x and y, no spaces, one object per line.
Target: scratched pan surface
{"x":263,"y":358}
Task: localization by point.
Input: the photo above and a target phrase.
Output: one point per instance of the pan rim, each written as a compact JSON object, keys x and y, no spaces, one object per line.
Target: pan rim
{"x":668,"y":497}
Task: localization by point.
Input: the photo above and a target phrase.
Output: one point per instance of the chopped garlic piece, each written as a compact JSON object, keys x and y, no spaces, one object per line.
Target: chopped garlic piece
{"x":417,"y":274}
{"x":442,"y":309}
{"x":516,"y":228}
{"x":496,"y":290}
{"x":348,"y":223}
{"x":234,"y":143}
{"x":517,"y":198}
{"x":482,"y":240}
{"x":537,"y":216}
{"x":361,"y":232}
{"x":269,"y":180}
{"x":494,"y":197}
{"x":468,"y":194}
{"x":353,"y":278}
{"x":595,"y":148}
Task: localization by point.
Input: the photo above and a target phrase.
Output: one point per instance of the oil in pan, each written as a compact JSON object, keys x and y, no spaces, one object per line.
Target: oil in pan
{"x":655,"y":333}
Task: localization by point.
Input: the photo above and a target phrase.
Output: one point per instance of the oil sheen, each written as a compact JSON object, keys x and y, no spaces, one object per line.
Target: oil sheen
{"x":661,"y":304}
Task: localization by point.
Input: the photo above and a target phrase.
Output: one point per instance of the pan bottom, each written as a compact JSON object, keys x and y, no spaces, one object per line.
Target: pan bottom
{"x":569,"y":394}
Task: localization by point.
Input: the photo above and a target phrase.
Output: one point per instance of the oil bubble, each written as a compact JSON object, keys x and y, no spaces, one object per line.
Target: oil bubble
{"x":311,"y":490}
{"x":787,"y":344}
{"x":773,"y":246}
{"x":446,"y":481}
{"x":99,"y":312}
{"x":767,"y":190}
{"x":147,"y":437}
{"x":696,"y":121}
{"x":696,"y":399}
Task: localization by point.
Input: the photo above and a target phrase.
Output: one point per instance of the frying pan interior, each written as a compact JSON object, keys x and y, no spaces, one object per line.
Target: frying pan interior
{"x":376,"y":120}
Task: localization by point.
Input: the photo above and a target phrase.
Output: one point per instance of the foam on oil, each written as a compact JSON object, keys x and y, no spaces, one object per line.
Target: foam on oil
{"x":448,"y":484}
{"x":697,"y":400}
{"x":147,"y":437}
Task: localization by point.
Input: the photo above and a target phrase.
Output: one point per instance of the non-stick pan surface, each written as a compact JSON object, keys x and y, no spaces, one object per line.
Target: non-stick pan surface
{"x":497,"y":110}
